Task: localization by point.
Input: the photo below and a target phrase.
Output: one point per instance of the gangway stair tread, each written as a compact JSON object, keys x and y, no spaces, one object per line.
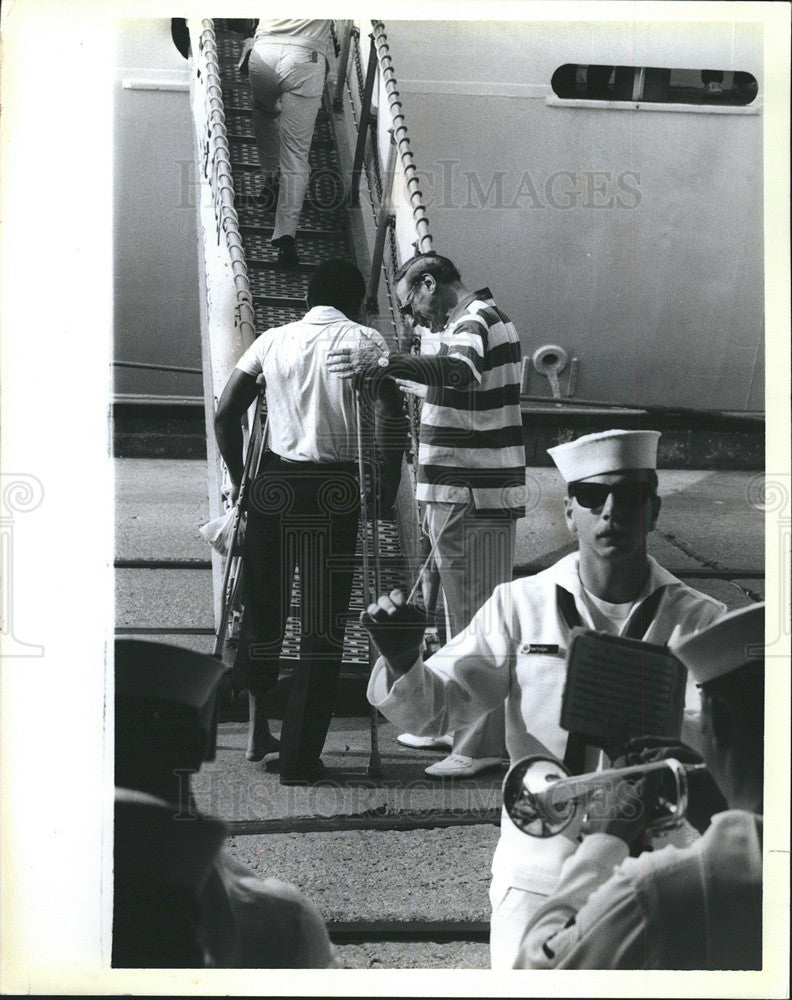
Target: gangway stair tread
{"x":312,"y":251}
{"x":279,"y":295}
{"x":355,"y":640}
{"x":321,"y":212}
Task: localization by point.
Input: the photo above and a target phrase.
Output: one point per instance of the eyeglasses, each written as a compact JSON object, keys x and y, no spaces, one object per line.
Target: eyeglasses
{"x":593,"y":495}
{"x":407,"y":307}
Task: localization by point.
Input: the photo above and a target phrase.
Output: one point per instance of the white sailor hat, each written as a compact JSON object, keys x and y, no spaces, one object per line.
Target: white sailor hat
{"x":730,"y":643}
{"x":606,"y":451}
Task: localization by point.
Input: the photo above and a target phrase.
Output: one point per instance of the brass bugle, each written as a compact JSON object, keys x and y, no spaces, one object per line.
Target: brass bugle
{"x":542,"y":799}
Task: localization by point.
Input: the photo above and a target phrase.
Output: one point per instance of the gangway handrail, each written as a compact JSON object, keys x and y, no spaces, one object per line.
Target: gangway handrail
{"x":228,"y":313}
{"x":401,"y":137}
{"x":381,"y":192}
{"x":216,"y":164}
{"x":222,"y":182}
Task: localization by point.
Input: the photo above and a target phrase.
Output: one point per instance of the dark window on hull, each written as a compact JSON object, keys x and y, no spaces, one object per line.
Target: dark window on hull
{"x":653,"y":84}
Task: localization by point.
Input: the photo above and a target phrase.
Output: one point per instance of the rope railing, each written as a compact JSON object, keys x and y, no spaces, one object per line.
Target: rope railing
{"x":217,"y":167}
{"x":379,"y":194}
{"x":378,"y":171}
{"x":402,"y":137}
{"x":228,"y":314}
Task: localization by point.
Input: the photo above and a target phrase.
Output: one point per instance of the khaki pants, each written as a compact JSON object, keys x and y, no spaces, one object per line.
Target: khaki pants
{"x":287,"y":83}
{"x":475,"y":554}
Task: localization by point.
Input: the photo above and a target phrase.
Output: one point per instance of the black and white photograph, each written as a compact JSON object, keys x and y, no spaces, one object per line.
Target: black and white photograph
{"x":396,"y":510}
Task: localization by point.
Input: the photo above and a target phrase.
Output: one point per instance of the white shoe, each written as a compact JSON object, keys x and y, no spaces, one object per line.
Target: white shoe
{"x":457,"y":765}
{"x":426,"y":742}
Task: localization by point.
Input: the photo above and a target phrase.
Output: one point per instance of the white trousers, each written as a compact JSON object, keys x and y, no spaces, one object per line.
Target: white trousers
{"x":287,"y":83}
{"x":512,"y":908}
{"x":475,"y":554}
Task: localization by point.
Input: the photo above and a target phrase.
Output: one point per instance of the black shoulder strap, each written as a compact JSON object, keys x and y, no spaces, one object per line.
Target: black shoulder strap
{"x":575,"y":753}
{"x":642,"y":617}
{"x":567,"y":608}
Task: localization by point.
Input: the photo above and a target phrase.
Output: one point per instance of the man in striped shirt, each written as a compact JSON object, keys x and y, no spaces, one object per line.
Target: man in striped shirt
{"x":471,"y":458}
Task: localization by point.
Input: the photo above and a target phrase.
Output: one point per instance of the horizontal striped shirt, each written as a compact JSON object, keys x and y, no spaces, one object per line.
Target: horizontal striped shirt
{"x":471,"y":440}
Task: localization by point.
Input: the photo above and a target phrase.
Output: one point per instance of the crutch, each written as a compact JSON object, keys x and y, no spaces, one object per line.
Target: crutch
{"x":428,"y":561}
{"x":233,"y":564}
{"x":430,"y":587}
{"x":375,"y":763}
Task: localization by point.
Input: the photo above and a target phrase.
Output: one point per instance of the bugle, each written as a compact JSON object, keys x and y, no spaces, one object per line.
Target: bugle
{"x":542,"y":799}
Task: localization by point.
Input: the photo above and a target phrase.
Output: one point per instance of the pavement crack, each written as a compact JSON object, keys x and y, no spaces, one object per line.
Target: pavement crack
{"x":673,"y":540}
{"x":381,"y":818}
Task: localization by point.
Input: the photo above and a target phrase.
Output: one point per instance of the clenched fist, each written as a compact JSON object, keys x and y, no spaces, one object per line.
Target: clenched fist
{"x":396,"y":629}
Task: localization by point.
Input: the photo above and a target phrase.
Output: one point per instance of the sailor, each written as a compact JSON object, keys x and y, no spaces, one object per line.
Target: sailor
{"x":514,"y":649}
{"x":696,"y":908}
{"x":180,"y":900}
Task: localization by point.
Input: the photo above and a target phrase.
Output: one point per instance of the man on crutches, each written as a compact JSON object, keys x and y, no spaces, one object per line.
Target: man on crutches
{"x":303,"y":508}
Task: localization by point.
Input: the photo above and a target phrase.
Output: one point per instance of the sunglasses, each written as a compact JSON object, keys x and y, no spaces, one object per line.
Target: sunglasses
{"x":593,"y":495}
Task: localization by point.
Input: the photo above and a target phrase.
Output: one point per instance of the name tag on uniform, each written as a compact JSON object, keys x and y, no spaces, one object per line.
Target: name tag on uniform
{"x":540,"y":648}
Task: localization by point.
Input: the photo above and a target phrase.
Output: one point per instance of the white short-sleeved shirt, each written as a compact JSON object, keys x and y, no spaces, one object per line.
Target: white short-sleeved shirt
{"x":311,"y":411}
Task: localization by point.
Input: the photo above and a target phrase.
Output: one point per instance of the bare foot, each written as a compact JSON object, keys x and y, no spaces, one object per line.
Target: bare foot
{"x":261,"y":742}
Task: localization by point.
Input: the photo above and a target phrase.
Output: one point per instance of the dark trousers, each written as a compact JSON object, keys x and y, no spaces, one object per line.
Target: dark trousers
{"x":305,"y":515}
